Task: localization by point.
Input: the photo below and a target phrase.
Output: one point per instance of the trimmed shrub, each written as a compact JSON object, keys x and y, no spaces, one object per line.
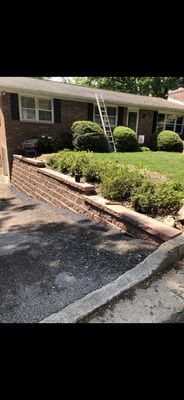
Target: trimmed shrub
{"x":82,"y":127}
{"x":62,"y":161}
{"x":157,"y":198}
{"x":78,"y":161}
{"x":51,"y":161}
{"x":68,"y":162}
{"x":93,"y":170}
{"x":118,"y":181}
{"x":169,"y":141}
{"x":96,"y":142}
{"x":89,"y":136}
{"x":125,"y":139}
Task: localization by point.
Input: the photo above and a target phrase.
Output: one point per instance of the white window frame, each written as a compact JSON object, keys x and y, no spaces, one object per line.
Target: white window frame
{"x":107,"y":105}
{"x":176,"y":116}
{"x":134,"y":110}
{"x":37,"y":109}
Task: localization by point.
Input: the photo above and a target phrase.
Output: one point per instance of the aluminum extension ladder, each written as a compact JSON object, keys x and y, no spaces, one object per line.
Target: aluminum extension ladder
{"x":105,"y":122}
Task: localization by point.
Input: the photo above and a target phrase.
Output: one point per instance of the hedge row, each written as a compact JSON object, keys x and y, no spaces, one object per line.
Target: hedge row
{"x":121,"y":182}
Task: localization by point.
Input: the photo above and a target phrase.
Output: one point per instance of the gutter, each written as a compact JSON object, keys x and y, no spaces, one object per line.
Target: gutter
{"x":89,"y":99}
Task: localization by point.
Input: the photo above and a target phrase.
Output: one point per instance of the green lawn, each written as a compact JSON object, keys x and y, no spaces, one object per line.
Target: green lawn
{"x":169,"y":164}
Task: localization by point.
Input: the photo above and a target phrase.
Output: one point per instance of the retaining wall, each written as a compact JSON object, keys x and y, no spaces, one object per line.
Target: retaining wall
{"x":33,"y":178}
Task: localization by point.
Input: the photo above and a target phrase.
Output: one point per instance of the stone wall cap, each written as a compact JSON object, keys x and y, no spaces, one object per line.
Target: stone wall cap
{"x":32,"y":161}
{"x":142,"y":221}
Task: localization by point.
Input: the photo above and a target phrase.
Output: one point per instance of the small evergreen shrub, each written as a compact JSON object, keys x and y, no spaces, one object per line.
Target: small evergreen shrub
{"x":93,"y":170}
{"x":118,"y":181}
{"x":89,"y":136}
{"x":157,"y":198}
{"x":125,"y":139}
{"x":82,"y":127}
{"x":169,"y":141}
{"x":78,"y":161}
{"x":96,"y":142}
{"x":64,"y":161}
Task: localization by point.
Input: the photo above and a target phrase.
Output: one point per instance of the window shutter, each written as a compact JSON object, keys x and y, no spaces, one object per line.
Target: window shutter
{"x":154,"y":121}
{"x":90,"y":112}
{"x":57,"y":111}
{"x":14,"y":104}
{"x":120,"y":115}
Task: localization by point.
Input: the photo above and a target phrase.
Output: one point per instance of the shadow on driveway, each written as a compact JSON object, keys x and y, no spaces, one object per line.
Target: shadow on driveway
{"x":50,"y":257}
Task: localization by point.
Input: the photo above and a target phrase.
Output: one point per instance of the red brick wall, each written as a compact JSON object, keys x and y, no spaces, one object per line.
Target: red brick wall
{"x":145,"y":123}
{"x":177,"y":95}
{"x":18,"y":131}
{"x":38,"y":183}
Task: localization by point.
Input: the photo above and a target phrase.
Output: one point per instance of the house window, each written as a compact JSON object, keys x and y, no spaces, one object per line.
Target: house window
{"x":33,"y":109}
{"x":179,"y":125}
{"x":160,"y":122}
{"x":170,"y":122}
{"x":111,"y":112}
{"x":132,"y":119}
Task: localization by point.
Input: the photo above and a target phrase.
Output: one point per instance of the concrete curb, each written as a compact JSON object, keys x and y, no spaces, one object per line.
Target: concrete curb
{"x":166,"y":255}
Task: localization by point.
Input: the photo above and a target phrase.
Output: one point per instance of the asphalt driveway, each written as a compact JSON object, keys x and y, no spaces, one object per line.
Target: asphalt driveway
{"x":50,"y":257}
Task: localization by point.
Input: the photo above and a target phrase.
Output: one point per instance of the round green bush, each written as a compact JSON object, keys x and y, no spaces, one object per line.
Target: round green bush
{"x":169,"y":141}
{"x":96,"y":142}
{"x":125,"y":139}
{"x":82,"y":127}
{"x":89,"y":136}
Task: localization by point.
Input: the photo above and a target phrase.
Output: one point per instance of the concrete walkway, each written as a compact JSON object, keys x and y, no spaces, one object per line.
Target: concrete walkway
{"x":159,"y":300}
{"x":50,"y":257}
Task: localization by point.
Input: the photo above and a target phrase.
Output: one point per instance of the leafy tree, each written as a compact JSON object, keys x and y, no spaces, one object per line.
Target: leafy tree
{"x":157,"y":86}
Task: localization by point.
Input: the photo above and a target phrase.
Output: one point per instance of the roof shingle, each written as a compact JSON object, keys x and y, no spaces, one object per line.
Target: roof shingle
{"x":61,"y":90}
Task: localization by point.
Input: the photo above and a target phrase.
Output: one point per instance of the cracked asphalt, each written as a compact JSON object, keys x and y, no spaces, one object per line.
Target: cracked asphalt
{"x":50,"y":257}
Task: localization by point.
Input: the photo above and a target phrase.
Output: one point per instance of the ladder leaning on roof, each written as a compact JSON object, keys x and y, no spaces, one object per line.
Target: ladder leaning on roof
{"x":105,"y":122}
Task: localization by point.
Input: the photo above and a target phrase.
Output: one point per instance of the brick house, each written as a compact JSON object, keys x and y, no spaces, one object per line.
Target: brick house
{"x":177,"y":96}
{"x":31,"y":107}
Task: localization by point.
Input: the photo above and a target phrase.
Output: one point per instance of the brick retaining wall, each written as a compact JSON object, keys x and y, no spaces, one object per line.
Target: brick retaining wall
{"x":33,"y":178}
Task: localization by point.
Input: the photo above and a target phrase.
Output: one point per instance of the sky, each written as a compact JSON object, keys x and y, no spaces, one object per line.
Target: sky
{"x":59,"y":78}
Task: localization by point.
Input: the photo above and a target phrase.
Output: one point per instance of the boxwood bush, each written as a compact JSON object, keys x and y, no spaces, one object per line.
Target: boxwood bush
{"x":118,"y":181}
{"x":125,"y":139}
{"x":169,"y":141}
{"x":89,"y":136}
{"x":157,"y":197}
{"x":96,"y":142}
{"x":67,"y":161}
